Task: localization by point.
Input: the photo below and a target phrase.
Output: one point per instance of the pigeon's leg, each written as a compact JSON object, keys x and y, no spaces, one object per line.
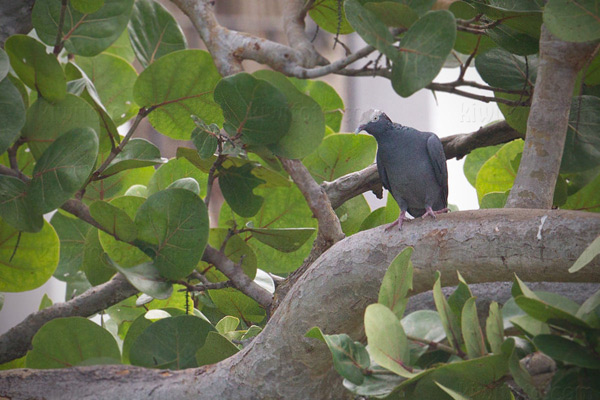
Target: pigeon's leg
{"x":432,"y":213}
{"x":398,"y":222}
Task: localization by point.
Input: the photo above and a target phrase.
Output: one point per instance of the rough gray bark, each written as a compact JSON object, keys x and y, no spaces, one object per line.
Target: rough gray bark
{"x":548,"y":118}
{"x":15,"y":17}
{"x":485,"y":245}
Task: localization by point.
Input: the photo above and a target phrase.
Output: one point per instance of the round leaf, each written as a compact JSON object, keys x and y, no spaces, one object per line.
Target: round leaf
{"x":68,"y":342}
{"x":137,"y":153}
{"x":36,"y":68}
{"x":308,"y":122}
{"x":330,"y":101}
{"x":505,"y":70}
{"x":116,"y":185}
{"x":26,"y":261}
{"x":13,"y":207}
{"x":115,"y":220}
{"x":83,"y":33}
{"x":170,"y":343}
{"x":424,"y":49}
{"x":286,"y":240}
{"x":476,"y":159}
{"x":179,"y":84}
{"x":62,"y":169}
{"x":236,"y":249}
{"x":237,"y":184}
{"x":371,"y":29}
{"x":253,"y":108}
{"x":87,"y":6}
{"x":573,"y":21}
{"x":582,"y":145}
{"x":173,"y":170}
{"x":329,"y":15}
{"x":72,"y":233}
{"x":216,"y":348}
{"x":95,"y":266}
{"x":4,"y":64}
{"x":113,"y":78}
{"x":153,"y":32}
{"x":12,"y":113}
{"x":339,"y":155}
{"x":186,"y":183}
{"x":174,"y":223}
{"x":47,"y":121}
{"x":498,"y":173}
{"x":233,"y":302}
{"x":145,"y":278}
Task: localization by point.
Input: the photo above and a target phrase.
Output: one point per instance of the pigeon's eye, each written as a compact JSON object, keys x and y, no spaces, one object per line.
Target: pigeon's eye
{"x":375,"y":118}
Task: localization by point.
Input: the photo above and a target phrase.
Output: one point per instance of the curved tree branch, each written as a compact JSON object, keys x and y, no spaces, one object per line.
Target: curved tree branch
{"x":15,"y":342}
{"x":559,"y":65}
{"x":294,"y":27}
{"x":485,"y":245}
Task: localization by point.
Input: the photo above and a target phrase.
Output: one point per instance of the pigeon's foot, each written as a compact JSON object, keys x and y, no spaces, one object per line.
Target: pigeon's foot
{"x":432,"y":213}
{"x":398,"y":222}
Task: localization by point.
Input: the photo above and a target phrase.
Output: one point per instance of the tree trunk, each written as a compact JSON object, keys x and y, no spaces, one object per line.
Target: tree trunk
{"x":485,"y":245}
{"x":560,"y":62}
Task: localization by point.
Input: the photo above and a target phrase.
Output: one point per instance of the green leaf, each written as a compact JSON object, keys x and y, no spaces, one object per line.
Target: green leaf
{"x":36,"y":68}
{"x":397,"y":282}
{"x":371,"y":29}
{"x":87,"y":6}
{"x":350,"y":358}
{"x":582,"y":145}
{"x":253,"y":108}
{"x":72,"y":233}
{"x":494,"y":328}
{"x":14,"y":209}
{"x":137,"y":153}
{"x":568,"y":351}
{"x":330,"y":15}
{"x":573,"y":21}
{"x":423,"y":52}
{"x":352,"y":213}
{"x":122,"y":48}
{"x":113,"y":78}
{"x":450,"y":320}
{"x":307,"y":125}
{"x":68,"y":342}
{"x":176,"y":99}
{"x":459,"y":297}
{"x":471,"y":330}
{"x":170,"y":343}
{"x":95,"y":265}
{"x":227,"y":324}
{"x":237,"y":185}
{"x":173,"y":170}
{"x":27,"y":260}
{"x":124,"y":254}
{"x":283,"y":207}
{"x":515,"y":116}
{"x":113,"y":219}
{"x":494,"y":200}
{"x":47,"y":121}
{"x":4,"y":64}
{"x":497,"y":174}
{"x":500,"y":68}
{"x":84,"y":34}
{"x":216,"y":348}
{"x":286,"y":240}
{"x":153,"y":32}
{"x":520,"y":374}
{"x":545,"y":312}
{"x":392,"y":13}
{"x":62,"y":169}
{"x":587,"y":256}
{"x":12,"y":113}
{"x":205,"y":142}
{"x":174,"y":224}
{"x":145,"y":278}
{"x":452,"y":393}
{"x":186,"y":183}
{"x":233,"y":302}
{"x":574,"y":384}
{"x":339,"y":155}
{"x":424,"y":324}
{"x":44,"y":303}
{"x":331,"y":103}
{"x":515,"y":42}
{"x":388,"y":344}
{"x":585,"y":199}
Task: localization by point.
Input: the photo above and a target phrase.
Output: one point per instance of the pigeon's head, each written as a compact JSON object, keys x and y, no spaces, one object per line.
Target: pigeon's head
{"x":374,"y":122}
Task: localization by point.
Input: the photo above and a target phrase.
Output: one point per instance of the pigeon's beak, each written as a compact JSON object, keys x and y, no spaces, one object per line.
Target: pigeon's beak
{"x":359,"y":129}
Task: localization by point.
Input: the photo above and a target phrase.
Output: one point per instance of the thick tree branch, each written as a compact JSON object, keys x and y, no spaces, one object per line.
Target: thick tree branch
{"x":559,"y":65}
{"x":351,"y":185}
{"x":15,"y":17}
{"x":311,"y":73}
{"x":485,"y":245}
{"x":16,"y":342}
{"x":294,"y":14}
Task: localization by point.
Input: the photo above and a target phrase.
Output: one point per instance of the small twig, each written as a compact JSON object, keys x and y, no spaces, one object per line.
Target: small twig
{"x":463,"y":68}
{"x":58,"y":44}
{"x":204,"y":286}
{"x":211,"y":175}
{"x":311,"y":73}
{"x":230,"y":233}
{"x":435,"y":345}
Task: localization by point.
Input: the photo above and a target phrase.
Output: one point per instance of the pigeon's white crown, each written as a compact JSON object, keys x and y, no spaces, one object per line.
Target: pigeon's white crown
{"x":370,"y":115}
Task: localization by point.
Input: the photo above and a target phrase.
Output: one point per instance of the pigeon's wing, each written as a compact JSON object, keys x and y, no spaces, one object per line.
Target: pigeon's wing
{"x":382,"y":173}
{"x":435,"y":150}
